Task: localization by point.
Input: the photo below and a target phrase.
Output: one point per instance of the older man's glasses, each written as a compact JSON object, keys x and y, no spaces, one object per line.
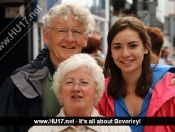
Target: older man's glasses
{"x":71,"y":83}
{"x":62,"y":31}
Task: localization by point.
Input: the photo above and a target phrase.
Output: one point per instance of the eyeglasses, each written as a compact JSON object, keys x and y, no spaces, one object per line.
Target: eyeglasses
{"x":71,"y":83}
{"x":62,"y":31}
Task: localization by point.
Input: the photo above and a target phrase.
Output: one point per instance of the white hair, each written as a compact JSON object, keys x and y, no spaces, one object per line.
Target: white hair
{"x":61,"y":13}
{"x":73,"y":63}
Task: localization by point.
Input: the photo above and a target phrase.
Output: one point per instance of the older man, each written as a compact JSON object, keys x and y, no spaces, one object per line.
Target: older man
{"x":27,"y":93}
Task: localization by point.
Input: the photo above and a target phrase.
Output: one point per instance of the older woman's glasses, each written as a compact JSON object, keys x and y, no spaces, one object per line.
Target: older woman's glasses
{"x":62,"y":31}
{"x":71,"y":84}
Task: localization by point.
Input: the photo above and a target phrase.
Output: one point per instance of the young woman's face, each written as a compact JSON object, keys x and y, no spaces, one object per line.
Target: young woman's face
{"x":128,"y":51}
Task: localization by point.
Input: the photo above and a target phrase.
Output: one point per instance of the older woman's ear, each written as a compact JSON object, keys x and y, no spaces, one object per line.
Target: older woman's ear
{"x":173,"y":80}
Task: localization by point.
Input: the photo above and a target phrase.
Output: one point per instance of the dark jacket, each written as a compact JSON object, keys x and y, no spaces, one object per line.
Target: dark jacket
{"x":23,"y":94}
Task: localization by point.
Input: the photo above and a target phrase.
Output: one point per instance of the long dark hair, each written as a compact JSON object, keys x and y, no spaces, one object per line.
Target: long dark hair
{"x":116,"y":85}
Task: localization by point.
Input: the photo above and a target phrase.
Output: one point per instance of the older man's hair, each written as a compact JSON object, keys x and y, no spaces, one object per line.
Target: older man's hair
{"x":61,"y":13}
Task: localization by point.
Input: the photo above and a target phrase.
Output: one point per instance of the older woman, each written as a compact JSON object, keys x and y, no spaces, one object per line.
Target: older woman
{"x":79,"y":85}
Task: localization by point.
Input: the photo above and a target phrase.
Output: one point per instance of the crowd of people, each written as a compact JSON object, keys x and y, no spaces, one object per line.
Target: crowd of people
{"x":130,"y":83}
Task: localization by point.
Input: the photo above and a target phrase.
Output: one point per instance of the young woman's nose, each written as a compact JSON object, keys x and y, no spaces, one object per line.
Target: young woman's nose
{"x":125,"y":52}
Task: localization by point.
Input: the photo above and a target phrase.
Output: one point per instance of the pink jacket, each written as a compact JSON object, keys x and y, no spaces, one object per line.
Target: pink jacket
{"x":161,"y":103}
{"x":106,"y":104}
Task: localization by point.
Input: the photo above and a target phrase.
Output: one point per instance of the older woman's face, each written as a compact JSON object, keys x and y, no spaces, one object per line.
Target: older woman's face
{"x":78,"y":90}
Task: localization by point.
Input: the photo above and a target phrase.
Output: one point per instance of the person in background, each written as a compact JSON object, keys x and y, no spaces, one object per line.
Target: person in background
{"x":173,"y":55}
{"x":134,"y":87}
{"x":93,"y":48}
{"x":165,"y":56}
{"x":27,"y":92}
{"x":157,"y":40}
{"x":78,"y":84}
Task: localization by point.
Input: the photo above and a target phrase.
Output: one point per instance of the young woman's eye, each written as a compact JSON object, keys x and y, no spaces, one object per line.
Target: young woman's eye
{"x":133,"y":45}
{"x":117,"y":47}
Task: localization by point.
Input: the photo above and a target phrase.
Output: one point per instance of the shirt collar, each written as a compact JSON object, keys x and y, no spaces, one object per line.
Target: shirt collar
{"x":62,"y":114}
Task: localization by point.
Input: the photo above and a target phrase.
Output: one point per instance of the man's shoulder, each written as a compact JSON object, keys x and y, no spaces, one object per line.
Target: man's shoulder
{"x":39,"y":62}
{"x":23,"y":73}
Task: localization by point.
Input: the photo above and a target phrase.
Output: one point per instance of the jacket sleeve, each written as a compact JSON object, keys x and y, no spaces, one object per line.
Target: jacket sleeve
{"x":171,"y":103}
{"x":11,"y":100}
{"x":168,"y":110}
{"x":162,"y":104}
{"x":12,"y":104}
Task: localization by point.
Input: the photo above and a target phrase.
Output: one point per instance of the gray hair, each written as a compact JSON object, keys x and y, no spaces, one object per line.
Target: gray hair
{"x":61,"y":12}
{"x":73,"y":63}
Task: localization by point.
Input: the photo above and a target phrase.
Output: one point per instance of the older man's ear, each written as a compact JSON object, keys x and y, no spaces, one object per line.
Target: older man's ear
{"x":173,"y":80}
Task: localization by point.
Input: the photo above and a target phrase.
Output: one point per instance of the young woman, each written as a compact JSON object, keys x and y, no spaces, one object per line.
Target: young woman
{"x":134,"y":87}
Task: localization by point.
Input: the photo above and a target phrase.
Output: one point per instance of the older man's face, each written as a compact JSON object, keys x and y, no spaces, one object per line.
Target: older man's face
{"x":63,"y":47}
